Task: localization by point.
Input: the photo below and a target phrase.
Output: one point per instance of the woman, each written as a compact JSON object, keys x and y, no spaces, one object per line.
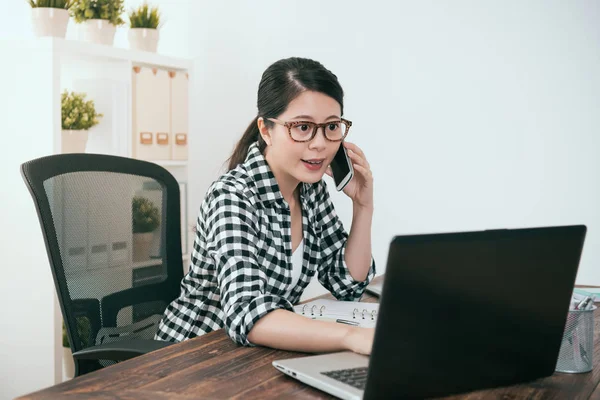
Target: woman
{"x":268,"y":225}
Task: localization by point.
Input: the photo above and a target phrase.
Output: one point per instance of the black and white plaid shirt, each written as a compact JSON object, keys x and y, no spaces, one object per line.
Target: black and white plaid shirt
{"x":241,"y":263}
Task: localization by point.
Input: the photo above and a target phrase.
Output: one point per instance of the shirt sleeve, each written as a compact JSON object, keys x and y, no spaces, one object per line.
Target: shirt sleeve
{"x":333,"y":271}
{"x":231,"y":230}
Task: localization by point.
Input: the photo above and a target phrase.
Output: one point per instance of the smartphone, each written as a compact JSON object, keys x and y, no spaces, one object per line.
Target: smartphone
{"x":341,"y":166}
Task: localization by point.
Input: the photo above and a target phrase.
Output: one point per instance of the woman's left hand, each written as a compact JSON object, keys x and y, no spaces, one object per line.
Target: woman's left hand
{"x":360,"y":188}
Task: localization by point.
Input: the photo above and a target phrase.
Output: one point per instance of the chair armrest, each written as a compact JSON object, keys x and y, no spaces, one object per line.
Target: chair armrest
{"x":114,"y":302}
{"x":121,"y":350}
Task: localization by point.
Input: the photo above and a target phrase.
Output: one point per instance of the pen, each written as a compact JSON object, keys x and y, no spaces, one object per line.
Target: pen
{"x":583,"y":304}
{"x":590,"y":305}
{"x":345,"y":321}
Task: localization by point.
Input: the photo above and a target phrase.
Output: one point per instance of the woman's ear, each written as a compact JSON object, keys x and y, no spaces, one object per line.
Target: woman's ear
{"x":264,"y":131}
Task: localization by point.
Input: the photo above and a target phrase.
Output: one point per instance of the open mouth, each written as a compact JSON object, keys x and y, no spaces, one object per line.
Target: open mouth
{"x":313,"y":164}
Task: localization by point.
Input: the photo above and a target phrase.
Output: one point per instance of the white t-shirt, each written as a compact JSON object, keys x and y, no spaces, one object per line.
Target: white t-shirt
{"x":297,"y":257}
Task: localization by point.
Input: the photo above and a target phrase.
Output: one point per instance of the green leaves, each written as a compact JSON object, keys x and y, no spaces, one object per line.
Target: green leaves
{"x":76,"y":113}
{"x":144,"y":17}
{"x":145,"y":215}
{"x":84,"y":329}
{"x":110,"y":10}
{"x":64,"y":4}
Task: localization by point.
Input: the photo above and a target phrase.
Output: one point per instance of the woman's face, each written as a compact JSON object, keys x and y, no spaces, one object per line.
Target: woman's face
{"x":305,"y":161}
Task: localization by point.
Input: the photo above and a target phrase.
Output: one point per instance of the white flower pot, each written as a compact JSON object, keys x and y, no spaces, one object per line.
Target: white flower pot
{"x":143,"y":39}
{"x":49,"y":21}
{"x":68,"y":363}
{"x":99,"y":31}
{"x":74,"y":141}
{"x":141,"y":246}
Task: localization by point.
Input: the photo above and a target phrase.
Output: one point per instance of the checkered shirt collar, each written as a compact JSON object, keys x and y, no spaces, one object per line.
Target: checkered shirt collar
{"x":261,"y":173}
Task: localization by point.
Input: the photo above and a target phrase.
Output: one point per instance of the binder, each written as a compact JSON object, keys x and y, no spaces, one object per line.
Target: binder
{"x":347,"y":312}
{"x":179,"y":115}
{"x":74,"y":209}
{"x":151,"y":114}
{"x":99,"y":214}
{"x":120,"y":237}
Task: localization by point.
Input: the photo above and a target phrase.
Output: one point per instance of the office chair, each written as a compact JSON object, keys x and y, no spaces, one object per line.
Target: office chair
{"x":115,"y":271}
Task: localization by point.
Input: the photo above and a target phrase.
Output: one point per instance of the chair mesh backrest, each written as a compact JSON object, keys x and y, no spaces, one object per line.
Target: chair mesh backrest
{"x":111,"y":251}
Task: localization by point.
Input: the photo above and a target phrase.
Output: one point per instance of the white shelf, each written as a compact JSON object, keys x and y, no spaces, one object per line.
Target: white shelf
{"x":170,"y":163}
{"x":146,"y":263}
{"x":83,"y":49}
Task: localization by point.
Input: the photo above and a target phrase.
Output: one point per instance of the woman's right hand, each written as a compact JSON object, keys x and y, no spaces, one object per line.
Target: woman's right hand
{"x":359,"y":340}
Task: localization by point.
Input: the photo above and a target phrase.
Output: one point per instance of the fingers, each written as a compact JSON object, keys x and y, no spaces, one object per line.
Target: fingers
{"x":357,"y":159}
{"x":329,"y":172}
{"x":354,"y":148}
{"x":356,"y":154}
{"x":363,"y":171}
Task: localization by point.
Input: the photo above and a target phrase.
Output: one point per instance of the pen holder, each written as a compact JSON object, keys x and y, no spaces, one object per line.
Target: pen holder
{"x":577,"y":346}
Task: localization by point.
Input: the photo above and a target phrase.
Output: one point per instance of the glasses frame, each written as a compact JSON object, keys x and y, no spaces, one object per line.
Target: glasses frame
{"x":290,"y":124}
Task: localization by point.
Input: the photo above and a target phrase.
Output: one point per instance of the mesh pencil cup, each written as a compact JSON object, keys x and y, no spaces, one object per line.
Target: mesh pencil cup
{"x":577,"y":346}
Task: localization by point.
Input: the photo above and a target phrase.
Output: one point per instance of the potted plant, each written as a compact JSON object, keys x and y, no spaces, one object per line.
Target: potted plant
{"x":144,"y":23}
{"x":100,"y":19}
{"x":50,"y":17}
{"x":83,"y":332}
{"x":77,"y":115}
{"x":145,"y":219}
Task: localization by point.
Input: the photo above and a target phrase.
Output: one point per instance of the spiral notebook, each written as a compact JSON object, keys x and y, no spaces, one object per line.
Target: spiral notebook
{"x":349,"y":312}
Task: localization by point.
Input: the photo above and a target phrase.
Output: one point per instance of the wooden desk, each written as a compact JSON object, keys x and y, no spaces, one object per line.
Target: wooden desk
{"x":212,"y":366}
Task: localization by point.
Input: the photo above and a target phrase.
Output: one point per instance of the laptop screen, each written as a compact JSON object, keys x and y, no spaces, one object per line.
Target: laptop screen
{"x":463,"y":311}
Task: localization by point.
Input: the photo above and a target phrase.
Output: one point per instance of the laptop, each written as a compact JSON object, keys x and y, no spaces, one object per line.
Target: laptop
{"x":459,"y":312}
{"x":375,"y":288}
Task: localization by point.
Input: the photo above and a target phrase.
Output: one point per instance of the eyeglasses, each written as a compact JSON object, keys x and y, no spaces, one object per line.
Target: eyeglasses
{"x":305,"y":131}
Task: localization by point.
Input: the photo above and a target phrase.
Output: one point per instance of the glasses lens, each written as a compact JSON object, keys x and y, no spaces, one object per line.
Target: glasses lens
{"x":336,"y":130}
{"x":302,"y":131}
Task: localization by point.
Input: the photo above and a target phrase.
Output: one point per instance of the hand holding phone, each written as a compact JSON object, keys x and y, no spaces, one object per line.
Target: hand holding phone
{"x":341,"y":167}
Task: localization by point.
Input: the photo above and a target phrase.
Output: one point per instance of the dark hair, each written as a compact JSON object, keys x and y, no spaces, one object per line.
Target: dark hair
{"x":281,"y":83}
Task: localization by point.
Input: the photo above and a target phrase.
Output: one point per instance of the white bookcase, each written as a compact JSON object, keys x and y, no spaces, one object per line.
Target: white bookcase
{"x":38,"y":71}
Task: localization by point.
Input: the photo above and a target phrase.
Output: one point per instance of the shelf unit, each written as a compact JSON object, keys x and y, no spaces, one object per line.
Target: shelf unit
{"x":44,"y":68}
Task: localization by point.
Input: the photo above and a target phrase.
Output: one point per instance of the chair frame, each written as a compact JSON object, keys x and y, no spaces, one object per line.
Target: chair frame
{"x":34,"y":173}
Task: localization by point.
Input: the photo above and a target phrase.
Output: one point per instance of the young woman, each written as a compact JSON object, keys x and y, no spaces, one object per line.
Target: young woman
{"x":268,"y":225}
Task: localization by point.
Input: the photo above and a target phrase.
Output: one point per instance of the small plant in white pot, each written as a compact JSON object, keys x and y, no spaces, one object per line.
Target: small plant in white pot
{"x":77,"y":115}
{"x":50,"y":17}
{"x":144,"y":22}
{"x":145,"y":219}
{"x":100,"y":19}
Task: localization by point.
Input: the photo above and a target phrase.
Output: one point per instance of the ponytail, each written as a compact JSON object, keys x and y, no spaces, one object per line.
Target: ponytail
{"x":241,"y":148}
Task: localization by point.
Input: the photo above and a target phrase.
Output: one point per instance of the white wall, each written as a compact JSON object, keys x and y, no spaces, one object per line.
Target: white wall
{"x":473,"y":115}
{"x":26,"y":302}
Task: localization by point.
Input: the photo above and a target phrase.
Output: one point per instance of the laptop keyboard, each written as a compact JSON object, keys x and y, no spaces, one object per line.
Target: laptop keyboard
{"x":356,"y":377}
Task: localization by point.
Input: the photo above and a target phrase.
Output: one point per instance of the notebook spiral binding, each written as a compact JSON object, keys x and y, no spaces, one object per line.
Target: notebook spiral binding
{"x":355,"y":312}
{"x":312,"y":310}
